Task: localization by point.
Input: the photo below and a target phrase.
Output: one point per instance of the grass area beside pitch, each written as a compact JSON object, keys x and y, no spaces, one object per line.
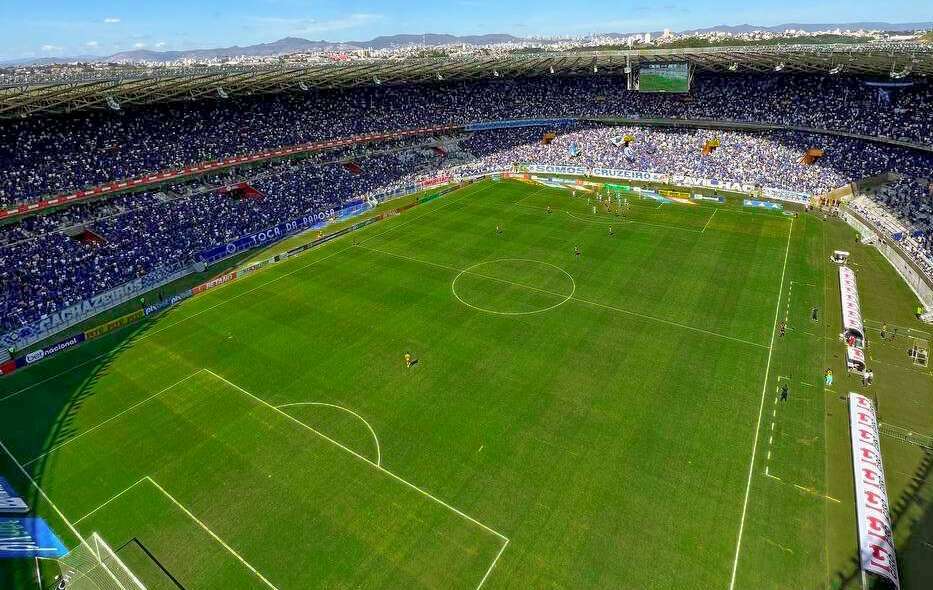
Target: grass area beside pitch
{"x":572,"y":421}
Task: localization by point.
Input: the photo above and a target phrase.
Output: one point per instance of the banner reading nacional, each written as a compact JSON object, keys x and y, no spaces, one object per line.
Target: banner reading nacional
{"x":672,"y":179}
{"x":876,"y":539}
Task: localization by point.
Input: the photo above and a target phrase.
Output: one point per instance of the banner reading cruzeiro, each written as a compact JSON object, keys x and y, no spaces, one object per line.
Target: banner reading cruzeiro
{"x":672,"y":179}
{"x":516,"y":123}
{"x":875,"y":537}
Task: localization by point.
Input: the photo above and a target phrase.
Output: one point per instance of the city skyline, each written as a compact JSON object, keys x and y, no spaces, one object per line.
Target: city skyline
{"x":60,"y":28}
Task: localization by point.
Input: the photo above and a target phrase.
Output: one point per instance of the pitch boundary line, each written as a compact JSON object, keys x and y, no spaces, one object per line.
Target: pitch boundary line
{"x":151,"y":333}
{"x":190,"y":515}
{"x":349,"y":411}
{"x":505,"y":540}
{"x":383,"y":470}
{"x":574,"y":298}
{"x":761,"y":405}
{"x":708,"y":220}
{"x":432,"y":211}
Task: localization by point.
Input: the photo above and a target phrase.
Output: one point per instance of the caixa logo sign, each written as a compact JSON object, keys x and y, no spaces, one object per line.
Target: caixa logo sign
{"x":35,"y":356}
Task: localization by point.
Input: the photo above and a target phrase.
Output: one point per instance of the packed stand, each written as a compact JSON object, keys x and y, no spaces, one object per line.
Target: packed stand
{"x":44,"y":267}
{"x":46,"y":156}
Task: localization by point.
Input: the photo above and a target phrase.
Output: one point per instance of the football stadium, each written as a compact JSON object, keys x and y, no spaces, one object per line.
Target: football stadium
{"x":629,"y":318}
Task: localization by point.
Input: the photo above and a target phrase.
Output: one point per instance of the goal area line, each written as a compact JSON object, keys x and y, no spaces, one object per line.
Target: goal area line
{"x":72,"y":525}
{"x":190,"y":515}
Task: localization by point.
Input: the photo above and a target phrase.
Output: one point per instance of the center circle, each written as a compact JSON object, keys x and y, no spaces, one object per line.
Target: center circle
{"x":513,"y":286}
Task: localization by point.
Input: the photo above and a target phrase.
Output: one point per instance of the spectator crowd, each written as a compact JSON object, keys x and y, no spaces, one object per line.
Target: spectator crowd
{"x":49,"y":262}
{"x":47,"y":156}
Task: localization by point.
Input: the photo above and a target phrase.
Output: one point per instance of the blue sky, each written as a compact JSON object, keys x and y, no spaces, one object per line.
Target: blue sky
{"x":43,"y":28}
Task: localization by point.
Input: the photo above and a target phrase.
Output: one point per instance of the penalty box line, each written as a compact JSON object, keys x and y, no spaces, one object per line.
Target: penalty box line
{"x":110,"y":419}
{"x":368,"y":461}
{"x":190,"y":515}
{"x":380,"y":468}
{"x":505,"y":540}
{"x":761,"y":406}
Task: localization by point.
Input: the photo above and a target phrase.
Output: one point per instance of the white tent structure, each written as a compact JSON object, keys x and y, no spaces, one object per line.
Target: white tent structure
{"x":852,"y":326}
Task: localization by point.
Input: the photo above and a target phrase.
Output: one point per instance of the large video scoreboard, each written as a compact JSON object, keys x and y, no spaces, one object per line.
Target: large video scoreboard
{"x":673,"y":77}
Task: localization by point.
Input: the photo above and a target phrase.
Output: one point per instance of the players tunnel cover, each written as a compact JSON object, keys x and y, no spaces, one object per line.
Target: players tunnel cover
{"x":10,"y":502}
{"x":28,"y":537}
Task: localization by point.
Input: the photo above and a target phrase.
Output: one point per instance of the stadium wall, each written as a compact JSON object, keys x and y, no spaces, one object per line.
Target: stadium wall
{"x":60,"y":321}
{"x":900,"y":260}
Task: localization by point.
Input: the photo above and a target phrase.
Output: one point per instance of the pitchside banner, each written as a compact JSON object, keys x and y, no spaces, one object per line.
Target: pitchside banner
{"x":28,"y":537}
{"x":515,"y":123}
{"x":673,"y":179}
{"x":37,"y":355}
{"x":762,"y":204}
{"x":168,"y":302}
{"x":876,"y":539}
{"x":115,"y":324}
{"x":60,"y":320}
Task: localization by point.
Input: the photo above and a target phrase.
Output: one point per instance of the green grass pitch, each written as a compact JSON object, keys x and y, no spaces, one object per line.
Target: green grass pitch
{"x":607,"y":420}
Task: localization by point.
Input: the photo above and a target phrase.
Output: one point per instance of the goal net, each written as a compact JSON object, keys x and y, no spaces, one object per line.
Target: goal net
{"x":93,"y":565}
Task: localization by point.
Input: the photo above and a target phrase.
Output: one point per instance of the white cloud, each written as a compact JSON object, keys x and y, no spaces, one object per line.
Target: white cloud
{"x":139,"y":45}
{"x":112,"y":20}
{"x":51,"y":48}
{"x":92,"y":44}
{"x":160,"y":44}
{"x":310,"y":25}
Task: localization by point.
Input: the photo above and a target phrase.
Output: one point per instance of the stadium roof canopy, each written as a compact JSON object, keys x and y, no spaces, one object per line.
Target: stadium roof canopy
{"x":71,"y":88}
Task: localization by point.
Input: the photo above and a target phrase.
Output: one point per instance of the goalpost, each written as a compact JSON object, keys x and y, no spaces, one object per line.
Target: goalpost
{"x":93,"y":565}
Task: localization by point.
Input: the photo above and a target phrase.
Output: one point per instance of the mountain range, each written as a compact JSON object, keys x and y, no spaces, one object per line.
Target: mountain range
{"x":291,"y":45}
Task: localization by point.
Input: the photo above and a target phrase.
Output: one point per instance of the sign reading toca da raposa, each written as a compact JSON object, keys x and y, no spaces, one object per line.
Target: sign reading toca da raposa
{"x":266,"y":236}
